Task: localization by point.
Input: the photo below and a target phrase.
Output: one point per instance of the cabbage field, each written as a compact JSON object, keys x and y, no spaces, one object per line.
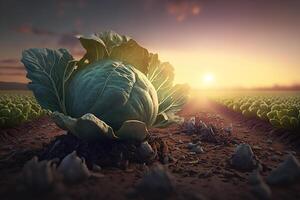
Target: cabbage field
{"x":118,"y":113}
{"x":280,"y":109}
{"x":18,"y":108}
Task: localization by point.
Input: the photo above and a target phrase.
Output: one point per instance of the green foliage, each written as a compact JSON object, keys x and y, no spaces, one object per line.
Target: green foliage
{"x":49,"y":70}
{"x":280,"y":110}
{"x":275,"y":123}
{"x":16,"y":109}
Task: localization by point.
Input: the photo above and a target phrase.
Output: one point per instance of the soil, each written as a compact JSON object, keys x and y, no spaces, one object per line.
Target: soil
{"x":207,"y":173}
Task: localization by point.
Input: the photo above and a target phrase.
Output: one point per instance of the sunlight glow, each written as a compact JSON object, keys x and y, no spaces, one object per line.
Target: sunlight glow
{"x":208,"y":78}
{"x":230,"y":70}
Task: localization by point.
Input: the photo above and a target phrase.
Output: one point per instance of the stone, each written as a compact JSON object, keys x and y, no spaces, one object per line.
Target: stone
{"x":243,"y":158}
{"x":256,"y":147}
{"x":229,"y":129}
{"x":207,"y":134}
{"x":145,"y":151}
{"x":39,"y":175}
{"x":269,"y":141}
{"x":287,"y":172}
{"x":73,"y":169}
{"x":166,"y":160}
{"x":191,"y":145}
{"x":190,"y":126}
{"x":261,"y":191}
{"x":197,"y":149}
{"x":96,"y":168}
{"x":191,"y":195}
{"x":258,"y":187}
{"x":274,"y":158}
{"x":156,"y":184}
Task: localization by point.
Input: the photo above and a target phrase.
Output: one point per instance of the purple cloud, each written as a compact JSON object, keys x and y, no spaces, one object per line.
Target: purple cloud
{"x":29,"y":29}
{"x":12,"y":70}
{"x":68,"y":40}
{"x":9,"y":62}
{"x":64,"y":40}
{"x":182,"y":9}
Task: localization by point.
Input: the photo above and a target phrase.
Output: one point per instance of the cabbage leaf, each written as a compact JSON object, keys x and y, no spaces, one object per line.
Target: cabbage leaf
{"x":49,"y":70}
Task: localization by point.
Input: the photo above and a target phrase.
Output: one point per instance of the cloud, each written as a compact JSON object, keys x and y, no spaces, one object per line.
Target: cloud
{"x":29,"y":29}
{"x":65,"y":5}
{"x":68,"y":40}
{"x":9,"y":61}
{"x":12,"y":71}
{"x":12,"y":68}
{"x":63,"y":40}
{"x":183,"y":9}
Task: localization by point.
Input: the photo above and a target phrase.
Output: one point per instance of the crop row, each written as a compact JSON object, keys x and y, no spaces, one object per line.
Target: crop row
{"x":280,"y":111}
{"x":16,"y":109}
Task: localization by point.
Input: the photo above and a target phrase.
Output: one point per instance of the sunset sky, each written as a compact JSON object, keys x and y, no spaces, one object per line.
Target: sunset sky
{"x":211,"y":43}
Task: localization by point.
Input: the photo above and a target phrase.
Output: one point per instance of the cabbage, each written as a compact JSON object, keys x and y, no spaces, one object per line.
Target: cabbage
{"x":116,"y":83}
{"x":114,"y":92}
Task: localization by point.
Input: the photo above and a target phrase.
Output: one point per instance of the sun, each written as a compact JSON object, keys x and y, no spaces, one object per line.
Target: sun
{"x":208,"y":79}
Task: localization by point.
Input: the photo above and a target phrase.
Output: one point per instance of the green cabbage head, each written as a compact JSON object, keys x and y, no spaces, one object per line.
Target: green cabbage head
{"x":116,"y":90}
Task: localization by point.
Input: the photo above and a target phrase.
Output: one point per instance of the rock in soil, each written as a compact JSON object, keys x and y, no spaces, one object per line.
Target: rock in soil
{"x":96,"y":168}
{"x":156,"y":184}
{"x":190,"y":126}
{"x":287,"y":172}
{"x":73,"y":168}
{"x":208,"y":135}
{"x":243,"y":158}
{"x":197,"y":149}
{"x":145,"y":151}
{"x":189,"y":195}
{"x":38,"y":176}
{"x":258,"y":187}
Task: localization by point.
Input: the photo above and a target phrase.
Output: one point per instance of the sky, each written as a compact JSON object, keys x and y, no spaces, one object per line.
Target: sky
{"x":210,"y":43}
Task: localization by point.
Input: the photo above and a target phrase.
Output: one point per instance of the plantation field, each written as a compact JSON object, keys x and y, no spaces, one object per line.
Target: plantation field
{"x":17,"y":107}
{"x":279,"y":108}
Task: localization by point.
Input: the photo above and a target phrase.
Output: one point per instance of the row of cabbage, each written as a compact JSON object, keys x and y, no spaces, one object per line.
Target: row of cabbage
{"x":280,"y":110}
{"x":16,"y":109}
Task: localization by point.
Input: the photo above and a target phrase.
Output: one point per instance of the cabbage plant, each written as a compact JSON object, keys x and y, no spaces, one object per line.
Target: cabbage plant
{"x":116,"y":90}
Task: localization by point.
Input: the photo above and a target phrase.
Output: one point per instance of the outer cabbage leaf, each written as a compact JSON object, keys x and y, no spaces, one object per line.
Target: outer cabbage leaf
{"x":89,"y":127}
{"x":113,"y":46}
{"x":132,"y":53}
{"x":167,"y":118}
{"x":133,"y":130}
{"x":95,"y":49}
{"x":174,"y":100}
{"x":162,"y":79}
{"x":112,"y":39}
{"x":170,"y":98}
{"x":49,"y":71}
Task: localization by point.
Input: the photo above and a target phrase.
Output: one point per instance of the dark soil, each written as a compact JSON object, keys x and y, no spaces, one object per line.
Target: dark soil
{"x":106,"y":153}
{"x":207,"y":173}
